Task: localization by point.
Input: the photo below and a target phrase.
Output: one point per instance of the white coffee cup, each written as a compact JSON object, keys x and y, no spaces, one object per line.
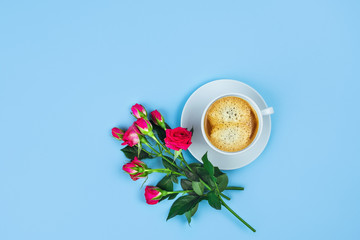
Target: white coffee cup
{"x":259,"y":112}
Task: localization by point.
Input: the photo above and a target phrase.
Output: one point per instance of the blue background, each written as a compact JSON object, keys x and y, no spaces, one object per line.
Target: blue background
{"x":70,"y":71}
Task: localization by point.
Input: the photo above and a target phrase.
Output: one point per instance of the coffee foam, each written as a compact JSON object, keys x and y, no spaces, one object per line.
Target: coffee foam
{"x":231,"y":124}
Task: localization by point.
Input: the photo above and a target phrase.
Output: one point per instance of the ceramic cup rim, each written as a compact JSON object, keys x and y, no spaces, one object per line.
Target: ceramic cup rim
{"x":253,"y":105}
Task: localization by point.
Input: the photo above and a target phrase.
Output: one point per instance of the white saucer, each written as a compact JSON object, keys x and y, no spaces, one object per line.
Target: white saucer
{"x":191,"y":118}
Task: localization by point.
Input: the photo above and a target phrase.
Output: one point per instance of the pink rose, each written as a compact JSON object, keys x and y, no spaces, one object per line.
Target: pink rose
{"x":158,"y":118}
{"x":138,"y":111}
{"x":136,"y":169}
{"x":144,"y":126}
{"x":178,"y":138}
{"x":131,"y":136}
{"x":152,"y":195}
{"x":117,"y":133}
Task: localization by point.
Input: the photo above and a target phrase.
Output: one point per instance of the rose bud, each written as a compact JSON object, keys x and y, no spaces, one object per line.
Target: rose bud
{"x":144,"y":126}
{"x":117,"y":133}
{"x":178,"y":138}
{"x":136,"y":169}
{"x":138,"y":111}
{"x":158,"y":119}
{"x":153,"y":194}
{"x":131,"y":136}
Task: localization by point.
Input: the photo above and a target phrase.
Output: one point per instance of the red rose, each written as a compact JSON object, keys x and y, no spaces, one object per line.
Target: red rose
{"x":144,"y":126}
{"x":138,"y":111}
{"x":178,"y":138}
{"x":131,"y":136}
{"x":152,"y":195}
{"x":136,"y":168}
{"x":117,"y":133}
{"x":158,"y":119}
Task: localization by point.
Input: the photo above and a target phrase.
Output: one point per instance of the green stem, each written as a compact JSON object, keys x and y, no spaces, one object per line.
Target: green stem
{"x":181,"y":157}
{"x":162,"y":156}
{"x":234,"y":188}
{"x":165,"y":171}
{"x":207,"y":186}
{"x":237,"y":216}
{"x":224,"y":196}
{"x":181,"y":191}
{"x":152,"y":148}
{"x":186,"y":164}
{"x":162,"y":146}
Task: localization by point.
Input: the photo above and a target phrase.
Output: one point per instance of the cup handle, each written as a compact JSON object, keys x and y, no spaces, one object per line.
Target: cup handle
{"x":267,"y":111}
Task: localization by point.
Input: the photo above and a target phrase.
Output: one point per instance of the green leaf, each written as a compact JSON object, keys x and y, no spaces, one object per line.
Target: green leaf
{"x":132,"y":152}
{"x":172,"y":196}
{"x":222,"y":182}
{"x":217,"y":172}
{"x":207,"y":165}
{"x":186,"y":184}
{"x":191,"y":213}
{"x":198,"y":187}
{"x":182,"y":205}
{"x":205,"y":176}
{"x":195,"y":165}
{"x":214,"y":200}
{"x":174,"y":178}
{"x":191,"y":175}
{"x":194,"y":209}
{"x":188,"y":217}
{"x":166,"y":184}
{"x":192,"y":130}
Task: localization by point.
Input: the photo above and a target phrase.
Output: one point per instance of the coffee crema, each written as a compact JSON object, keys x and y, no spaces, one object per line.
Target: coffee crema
{"x":231,"y":124}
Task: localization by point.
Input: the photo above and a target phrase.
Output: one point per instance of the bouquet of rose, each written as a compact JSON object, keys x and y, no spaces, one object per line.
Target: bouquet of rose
{"x":152,"y":138}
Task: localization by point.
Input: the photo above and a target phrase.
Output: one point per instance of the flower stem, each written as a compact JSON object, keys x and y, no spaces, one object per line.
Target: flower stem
{"x":234,"y":188}
{"x":163,"y":147}
{"x":224,"y":196}
{"x":181,"y":191}
{"x":186,"y":164}
{"x":237,"y":216}
{"x":147,"y":144}
{"x":162,"y":156}
{"x":161,"y":170}
{"x":207,"y":186}
{"x":181,"y":157}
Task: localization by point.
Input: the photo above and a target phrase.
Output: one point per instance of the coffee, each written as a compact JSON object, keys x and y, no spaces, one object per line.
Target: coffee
{"x":231,"y":124}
